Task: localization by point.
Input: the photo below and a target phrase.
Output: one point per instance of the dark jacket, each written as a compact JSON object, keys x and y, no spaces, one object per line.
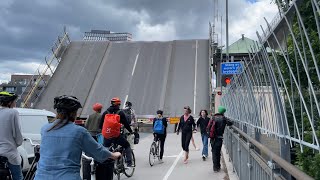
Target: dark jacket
{"x":203,"y":123}
{"x":221,"y":122}
{"x":186,"y":126}
{"x":123,"y":119}
{"x":93,"y":124}
{"x":164,"y":122}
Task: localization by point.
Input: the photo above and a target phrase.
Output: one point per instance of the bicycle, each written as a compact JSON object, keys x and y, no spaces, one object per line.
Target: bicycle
{"x":154,"y":151}
{"x":4,"y":169}
{"x":120,"y":165}
{"x":92,"y":166}
{"x":32,"y":171}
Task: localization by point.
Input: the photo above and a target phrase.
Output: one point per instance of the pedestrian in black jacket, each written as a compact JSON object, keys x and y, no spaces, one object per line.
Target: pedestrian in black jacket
{"x":216,"y":142}
{"x":187,"y":126}
{"x":203,"y":123}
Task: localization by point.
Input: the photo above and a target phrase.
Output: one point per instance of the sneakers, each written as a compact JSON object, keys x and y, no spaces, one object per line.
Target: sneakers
{"x":204,"y":157}
{"x":216,"y":169}
{"x":160,"y":161}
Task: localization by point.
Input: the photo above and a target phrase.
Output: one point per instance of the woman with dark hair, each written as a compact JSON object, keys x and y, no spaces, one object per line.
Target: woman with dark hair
{"x":62,"y":143}
{"x":187,"y":126}
{"x":203,"y":123}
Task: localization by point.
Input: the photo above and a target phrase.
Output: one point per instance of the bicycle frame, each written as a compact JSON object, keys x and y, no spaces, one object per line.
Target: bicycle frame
{"x":31,"y":173}
{"x":92,"y":166}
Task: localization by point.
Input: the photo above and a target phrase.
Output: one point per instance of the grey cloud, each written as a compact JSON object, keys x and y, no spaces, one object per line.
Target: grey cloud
{"x":30,"y":27}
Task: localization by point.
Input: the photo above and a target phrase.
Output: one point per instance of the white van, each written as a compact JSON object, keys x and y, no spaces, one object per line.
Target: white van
{"x":31,"y":121}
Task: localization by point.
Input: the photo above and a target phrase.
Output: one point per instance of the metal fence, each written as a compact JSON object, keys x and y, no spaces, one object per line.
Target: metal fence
{"x":277,"y":94}
{"x":279,"y":90}
{"x":244,"y":152}
{"x":38,"y":82}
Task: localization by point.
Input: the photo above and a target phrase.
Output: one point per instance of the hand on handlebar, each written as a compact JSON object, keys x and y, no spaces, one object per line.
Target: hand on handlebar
{"x":115,"y":155}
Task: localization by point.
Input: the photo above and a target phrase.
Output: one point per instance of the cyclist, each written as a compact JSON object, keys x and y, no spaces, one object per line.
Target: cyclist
{"x":120,"y":140}
{"x":131,"y":118}
{"x":10,"y":133}
{"x":93,"y":121}
{"x":162,"y":134}
{"x":62,"y":143}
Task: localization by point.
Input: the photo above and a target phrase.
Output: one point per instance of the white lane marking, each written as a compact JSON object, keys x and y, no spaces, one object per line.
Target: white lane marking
{"x":135,"y":63}
{"x":124,"y":104}
{"x":173,"y":156}
{"x":173,"y":166}
{"x":195,"y":78}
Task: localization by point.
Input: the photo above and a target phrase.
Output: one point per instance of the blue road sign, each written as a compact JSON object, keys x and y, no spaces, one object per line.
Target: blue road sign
{"x":231,"y":68}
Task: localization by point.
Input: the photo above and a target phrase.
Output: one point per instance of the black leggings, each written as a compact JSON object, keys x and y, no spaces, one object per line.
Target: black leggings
{"x":162,"y":138}
{"x":185,"y":140}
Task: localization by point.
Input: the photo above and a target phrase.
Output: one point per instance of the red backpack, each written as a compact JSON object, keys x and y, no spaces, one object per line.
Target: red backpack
{"x":111,"y":125}
{"x":211,"y":128}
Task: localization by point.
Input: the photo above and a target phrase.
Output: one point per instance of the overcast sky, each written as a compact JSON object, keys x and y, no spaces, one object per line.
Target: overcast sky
{"x":29,"y":27}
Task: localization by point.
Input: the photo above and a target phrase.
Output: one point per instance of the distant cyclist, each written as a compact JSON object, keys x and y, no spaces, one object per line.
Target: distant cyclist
{"x":93,"y":121}
{"x":110,"y":124}
{"x":160,"y":125}
{"x":10,"y":133}
{"x":62,"y":143}
{"x":131,"y":118}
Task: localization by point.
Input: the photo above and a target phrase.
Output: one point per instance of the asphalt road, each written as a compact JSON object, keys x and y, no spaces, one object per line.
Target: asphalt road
{"x":173,"y":167}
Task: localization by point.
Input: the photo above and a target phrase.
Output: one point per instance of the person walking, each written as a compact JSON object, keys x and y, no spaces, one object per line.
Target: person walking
{"x":202,"y":123}
{"x":218,"y":122}
{"x":187,"y":125}
{"x":93,"y":121}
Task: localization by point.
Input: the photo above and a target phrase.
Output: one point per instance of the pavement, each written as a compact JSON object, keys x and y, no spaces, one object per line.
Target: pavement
{"x":173,"y":167}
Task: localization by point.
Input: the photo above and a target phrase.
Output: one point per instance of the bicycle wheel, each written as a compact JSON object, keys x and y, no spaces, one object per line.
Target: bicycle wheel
{"x":117,"y":168}
{"x":152,"y":154}
{"x":158,"y":150}
{"x":129,"y":171}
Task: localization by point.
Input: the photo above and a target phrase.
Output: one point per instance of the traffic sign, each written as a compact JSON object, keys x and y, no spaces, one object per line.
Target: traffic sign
{"x":231,"y":68}
{"x":174,"y":120}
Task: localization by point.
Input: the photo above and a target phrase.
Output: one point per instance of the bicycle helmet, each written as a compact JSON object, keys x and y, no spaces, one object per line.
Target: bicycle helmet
{"x":128,"y":104}
{"x":65,"y":104}
{"x":6,"y":97}
{"x":97,"y":107}
{"x":116,"y":101}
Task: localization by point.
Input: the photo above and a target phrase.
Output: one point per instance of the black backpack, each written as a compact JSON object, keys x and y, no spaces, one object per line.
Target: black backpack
{"x":128,"y":114}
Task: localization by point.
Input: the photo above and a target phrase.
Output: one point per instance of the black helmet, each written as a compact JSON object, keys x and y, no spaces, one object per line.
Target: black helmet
{"x":128,"y":104}
{"x":160,"y":112}
{"x":66,"y":103}
{"x":6,"y":97}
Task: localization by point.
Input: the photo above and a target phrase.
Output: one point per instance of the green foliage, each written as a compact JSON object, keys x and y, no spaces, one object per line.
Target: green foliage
{"x":309,"y":159}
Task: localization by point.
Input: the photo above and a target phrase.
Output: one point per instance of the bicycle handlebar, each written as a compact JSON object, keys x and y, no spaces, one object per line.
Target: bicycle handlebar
{"x":31,"y":142}
{"x":86,"y":157}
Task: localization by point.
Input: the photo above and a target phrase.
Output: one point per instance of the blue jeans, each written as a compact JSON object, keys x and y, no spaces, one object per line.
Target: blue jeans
{"x":16,"y":172}
{"x":204,"y":138}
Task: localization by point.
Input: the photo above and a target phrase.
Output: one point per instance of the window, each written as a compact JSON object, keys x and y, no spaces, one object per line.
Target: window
{"x":10,"y":89}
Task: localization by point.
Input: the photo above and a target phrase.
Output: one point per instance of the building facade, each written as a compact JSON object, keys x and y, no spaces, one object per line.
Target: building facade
{"x":22,"y":85}
{"x":103,"y":35}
